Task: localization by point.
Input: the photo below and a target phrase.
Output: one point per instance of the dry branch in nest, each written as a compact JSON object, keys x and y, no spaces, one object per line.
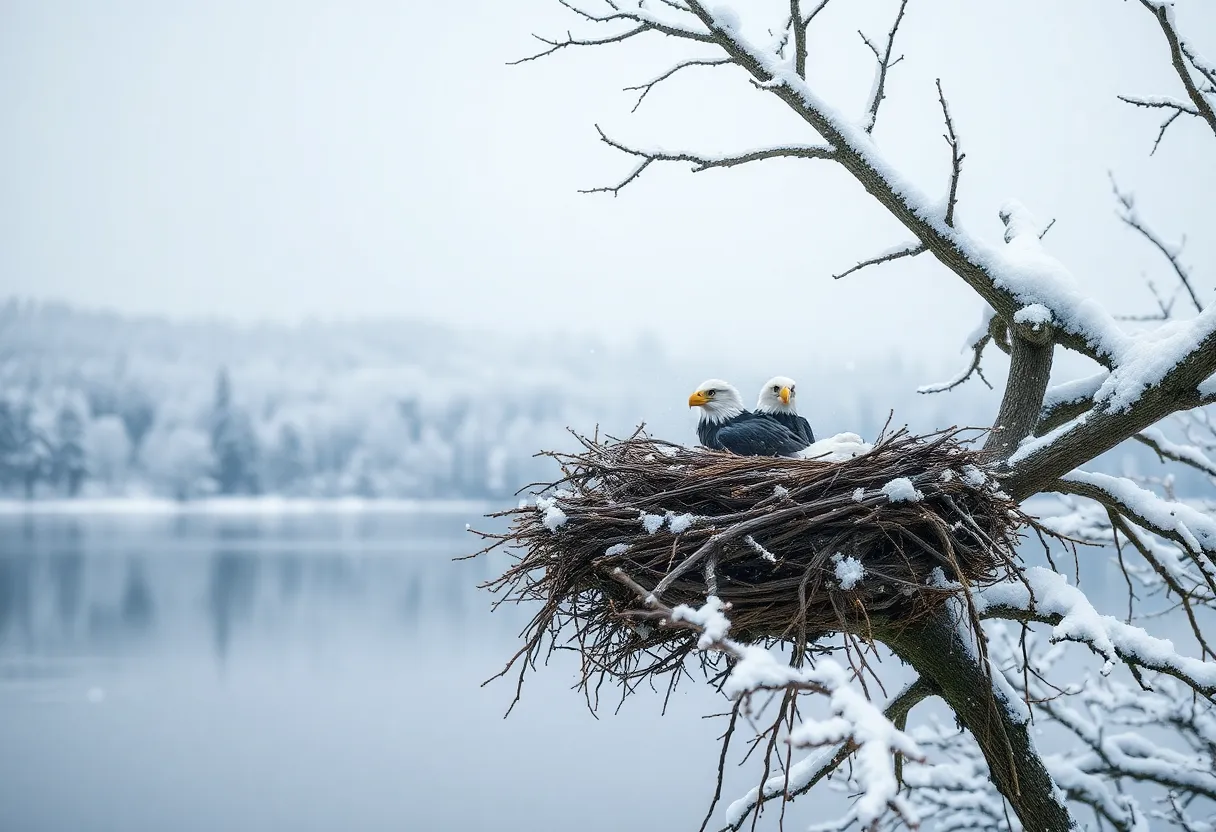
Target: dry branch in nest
{"x":798,"y":548}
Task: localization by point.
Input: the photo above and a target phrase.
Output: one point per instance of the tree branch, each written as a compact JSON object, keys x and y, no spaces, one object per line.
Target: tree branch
{"x":1029,"y":372}
{"x":1130,"y":218}
{"x":1180,"y":57}
{"x":956,"y":157}
{"x":1136,"y":395}
{"x":800,"y":35}
{"x":824,"y":764}
{"x":935,"y":646}
{"x":884,"y":65}
{"x":1176,"y":109}
{"x":1193,"y":531}
{"x":1184,"y":454}
{"x":1086,"y":329}
{"x":909,"y":250}
{"x":701,"y":163}
{"x":651,"y":84}
{"x":977,"y":353}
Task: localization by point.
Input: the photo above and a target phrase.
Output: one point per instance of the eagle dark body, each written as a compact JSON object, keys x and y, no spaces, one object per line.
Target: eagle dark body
{"x":797,"y":425}
{"x":751,"y":434}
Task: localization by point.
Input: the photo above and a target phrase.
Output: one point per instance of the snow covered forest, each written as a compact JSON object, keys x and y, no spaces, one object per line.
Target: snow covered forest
{"x":97,"y":404}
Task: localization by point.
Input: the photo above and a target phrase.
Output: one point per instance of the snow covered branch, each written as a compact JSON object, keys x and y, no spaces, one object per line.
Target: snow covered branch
{"x":1045,"y":596}
{"x":857,"y":724}
{"x":804,"y":775}
{"x":700,"y":163}
{"x":1105,"y":720}
{"x":1165,"y":372}
{"x":898,"y":253}
{"x":1189,"y":455}
{"x":1185,"y":61}
{"x":1192,"y":530}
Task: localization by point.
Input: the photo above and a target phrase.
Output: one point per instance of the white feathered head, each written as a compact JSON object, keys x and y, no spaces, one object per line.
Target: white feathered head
{"x":777,"y":396}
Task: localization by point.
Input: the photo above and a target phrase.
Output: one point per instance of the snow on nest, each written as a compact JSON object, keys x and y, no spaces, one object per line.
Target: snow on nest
{"x":836,"y":448}
{"x":680,"y":522}
{"x":849,"y":571}
{"x":711,"y":618}
{"x":555,"y":518}
{"x":676,"y":522}
{"x":651,"y":522}
{"x":901,"y":490}
{"x":616,"y":549}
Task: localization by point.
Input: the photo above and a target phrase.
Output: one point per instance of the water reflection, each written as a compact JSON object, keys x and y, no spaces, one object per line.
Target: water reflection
{"x":197,"y":673}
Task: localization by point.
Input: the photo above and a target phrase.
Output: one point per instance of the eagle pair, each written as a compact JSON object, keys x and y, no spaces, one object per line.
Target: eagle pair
{"x":774,"y":429}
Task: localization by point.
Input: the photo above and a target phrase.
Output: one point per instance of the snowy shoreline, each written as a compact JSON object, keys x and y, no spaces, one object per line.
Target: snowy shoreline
{"x":242,"y":506}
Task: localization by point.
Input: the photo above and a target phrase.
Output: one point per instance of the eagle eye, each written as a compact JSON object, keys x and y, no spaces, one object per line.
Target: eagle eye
{"x":710,"y":393}
{"x":776,"y":389}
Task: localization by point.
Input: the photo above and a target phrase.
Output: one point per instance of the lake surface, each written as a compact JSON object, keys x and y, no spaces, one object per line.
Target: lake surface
{"x":303,"y":673}
{"x":315,"y":671}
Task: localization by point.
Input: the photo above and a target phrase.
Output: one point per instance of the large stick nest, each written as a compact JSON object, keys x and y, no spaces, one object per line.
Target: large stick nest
{"x":799,"y":548}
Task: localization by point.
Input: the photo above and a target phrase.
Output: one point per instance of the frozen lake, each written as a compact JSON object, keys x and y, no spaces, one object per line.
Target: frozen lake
{"x":302,"y":672}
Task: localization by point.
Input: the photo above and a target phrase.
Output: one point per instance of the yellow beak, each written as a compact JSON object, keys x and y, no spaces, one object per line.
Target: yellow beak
{"x":785,"y":395}
{"x":697,"y":400}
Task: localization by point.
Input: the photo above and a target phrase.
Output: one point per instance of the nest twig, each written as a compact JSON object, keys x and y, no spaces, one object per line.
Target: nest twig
{"x":799,"y":548}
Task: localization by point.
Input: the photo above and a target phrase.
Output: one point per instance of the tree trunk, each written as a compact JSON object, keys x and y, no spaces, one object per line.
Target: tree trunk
{"x":936,"y":649}
{"x":1029,"y":371}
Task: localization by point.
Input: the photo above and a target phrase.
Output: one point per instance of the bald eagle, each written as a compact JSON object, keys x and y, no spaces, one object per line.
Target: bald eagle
{"x":777,"y":401}
{"x":725,"y":425}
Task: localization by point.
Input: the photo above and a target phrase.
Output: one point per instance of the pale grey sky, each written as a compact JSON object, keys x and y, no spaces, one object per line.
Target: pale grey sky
{"x":312,"y":158}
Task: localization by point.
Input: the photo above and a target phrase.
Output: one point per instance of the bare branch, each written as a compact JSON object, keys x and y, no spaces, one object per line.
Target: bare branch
{"x":651,"y":84}
{"x":806,"y":21}
{"x":700,"y":162}
{"x":800,"y":35}
{"x":977,"y":352}
{"x":1176,"y":109}
{"x":956,"y":159}
{"x":1183,"y":60}
{"x":884,"y":64}
{"x":645,"y":22}
{"x":910,"y":250}
{"x":1131,"y":219}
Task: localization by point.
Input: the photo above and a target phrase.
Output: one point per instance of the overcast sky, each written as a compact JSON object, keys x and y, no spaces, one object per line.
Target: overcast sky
{"x":314,"y":158}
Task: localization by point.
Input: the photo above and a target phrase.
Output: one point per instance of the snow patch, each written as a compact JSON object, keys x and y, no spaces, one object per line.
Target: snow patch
{"x":616,"y":549}
{"x":555,"y":518}
{"x":901,"y":490}
{"x":849,"y":572}
{"x":1036,"y":314}
{"x":680,"y":522}
{"x":652,"y":522}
